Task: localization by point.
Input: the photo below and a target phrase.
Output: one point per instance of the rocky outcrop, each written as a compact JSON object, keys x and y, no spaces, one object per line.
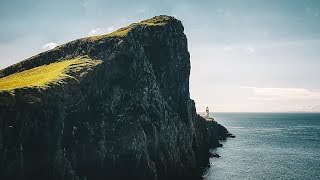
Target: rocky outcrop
{"x":129,"y":116}
{"x":217,"y":132}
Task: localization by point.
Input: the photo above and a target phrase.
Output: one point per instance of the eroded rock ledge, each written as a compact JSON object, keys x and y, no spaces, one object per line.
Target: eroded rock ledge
{"x":129,"y":116}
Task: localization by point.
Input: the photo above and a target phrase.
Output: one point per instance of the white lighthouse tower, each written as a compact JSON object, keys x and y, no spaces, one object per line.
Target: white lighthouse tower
{"x":207,"y":112}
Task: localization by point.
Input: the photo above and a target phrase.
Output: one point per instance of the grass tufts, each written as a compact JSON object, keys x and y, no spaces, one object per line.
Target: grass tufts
{"x":155,"y":21}
{"x":44,"y":76}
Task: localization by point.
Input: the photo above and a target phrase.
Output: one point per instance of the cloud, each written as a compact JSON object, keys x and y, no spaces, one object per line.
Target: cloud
{"x":250,"y":50}
{"x":313,"y":108}
{"x":49,"y":46}
{"x":238,"y":48}
{"x":99,"y":31}
{"x":295,"y":99}
{"x":95,"y":31}
{"x":285,"y":93}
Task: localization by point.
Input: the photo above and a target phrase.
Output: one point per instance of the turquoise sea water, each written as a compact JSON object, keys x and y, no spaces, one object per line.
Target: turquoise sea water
{"x":268,"y":146}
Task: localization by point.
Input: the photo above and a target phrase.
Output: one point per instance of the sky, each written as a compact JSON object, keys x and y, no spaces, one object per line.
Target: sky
{"x":246,"y":56}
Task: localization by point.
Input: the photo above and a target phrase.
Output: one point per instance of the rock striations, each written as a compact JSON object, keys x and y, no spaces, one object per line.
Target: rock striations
{"x":115,"y":106}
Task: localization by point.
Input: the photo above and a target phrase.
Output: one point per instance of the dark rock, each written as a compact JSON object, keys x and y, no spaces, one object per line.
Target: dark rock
{"x":130,"y":117}
{"x":216,"y":132}
{"x":212,"y":155}
{"x":230,"y":135}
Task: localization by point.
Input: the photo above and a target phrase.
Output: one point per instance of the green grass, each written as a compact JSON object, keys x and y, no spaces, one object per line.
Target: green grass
{"x":156,"y":21}
{"x":45,"y":75}
{"x":55,"y":73}
{"x":119,"y":33}
{"x":207,"y":118}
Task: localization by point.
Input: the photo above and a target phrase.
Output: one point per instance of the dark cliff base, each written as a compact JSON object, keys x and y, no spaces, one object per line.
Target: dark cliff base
{"x":217,"y":132}
{"x":128,"y":117}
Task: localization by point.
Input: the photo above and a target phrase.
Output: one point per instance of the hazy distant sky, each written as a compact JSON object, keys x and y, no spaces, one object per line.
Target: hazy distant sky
{"x":246,"y":55}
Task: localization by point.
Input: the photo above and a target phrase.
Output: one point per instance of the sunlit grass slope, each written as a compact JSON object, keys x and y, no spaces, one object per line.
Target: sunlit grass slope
{"x":43,"y":76}
{"x":156,"y":21}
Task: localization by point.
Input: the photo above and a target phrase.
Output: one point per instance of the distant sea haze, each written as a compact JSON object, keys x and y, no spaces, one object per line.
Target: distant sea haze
{"x":268,"y":146}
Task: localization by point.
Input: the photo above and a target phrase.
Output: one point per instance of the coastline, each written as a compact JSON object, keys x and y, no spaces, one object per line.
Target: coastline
{"x":266,"y":145}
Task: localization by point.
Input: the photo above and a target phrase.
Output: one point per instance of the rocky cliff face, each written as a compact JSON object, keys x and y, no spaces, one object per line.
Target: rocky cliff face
{"x":123,"y":113}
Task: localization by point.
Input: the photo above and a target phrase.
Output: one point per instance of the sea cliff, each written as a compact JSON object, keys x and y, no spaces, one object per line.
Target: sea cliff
{"x":115,"y":106}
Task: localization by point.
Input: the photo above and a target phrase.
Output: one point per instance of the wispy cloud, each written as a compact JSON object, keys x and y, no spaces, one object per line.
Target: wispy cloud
{"x":250,"y":50}
{"x":285,"y":93}
{"x":49,"y":46}
{"x":297,"y":99}
{"x":95,"y":31}
{"x":239,"y":48}
{"x":99,"y":31}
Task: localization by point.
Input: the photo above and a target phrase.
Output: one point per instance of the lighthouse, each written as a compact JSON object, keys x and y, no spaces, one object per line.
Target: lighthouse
{"x":207,"y":112}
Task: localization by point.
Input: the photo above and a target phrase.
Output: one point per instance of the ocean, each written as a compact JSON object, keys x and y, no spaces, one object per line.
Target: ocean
{"x":268,"y":146}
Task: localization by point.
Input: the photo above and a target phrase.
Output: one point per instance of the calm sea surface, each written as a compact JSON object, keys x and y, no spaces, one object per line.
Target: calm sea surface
{"x":268,"y":146}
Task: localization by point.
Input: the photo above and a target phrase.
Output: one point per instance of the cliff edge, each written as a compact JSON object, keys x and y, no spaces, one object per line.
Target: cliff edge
{"x":115,"y":106}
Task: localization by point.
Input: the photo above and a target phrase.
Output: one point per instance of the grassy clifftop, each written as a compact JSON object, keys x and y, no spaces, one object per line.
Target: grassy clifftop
{"x":46,"y":75}
{"x":52,"y":67}
{"x":155,"y":21}
{"x":75,"y":48}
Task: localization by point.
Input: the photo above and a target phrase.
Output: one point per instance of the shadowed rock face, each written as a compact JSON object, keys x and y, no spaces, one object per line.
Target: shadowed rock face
{"x":129,"y":117}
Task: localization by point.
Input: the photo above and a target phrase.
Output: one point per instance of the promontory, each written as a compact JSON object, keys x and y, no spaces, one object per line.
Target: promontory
{"x":115,"y":106}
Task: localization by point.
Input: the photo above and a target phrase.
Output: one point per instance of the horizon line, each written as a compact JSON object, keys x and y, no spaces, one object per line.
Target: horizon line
{"x":261,"y":112}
